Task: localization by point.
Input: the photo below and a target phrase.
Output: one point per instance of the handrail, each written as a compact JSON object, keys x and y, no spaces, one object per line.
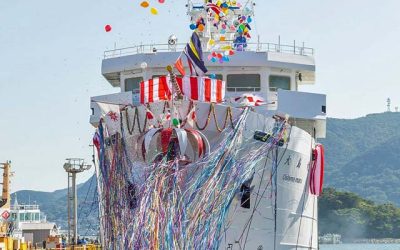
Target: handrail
{"x":256,"y":47}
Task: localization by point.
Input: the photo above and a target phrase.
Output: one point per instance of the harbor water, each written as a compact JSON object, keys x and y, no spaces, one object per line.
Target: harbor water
{"x":361,"y":247}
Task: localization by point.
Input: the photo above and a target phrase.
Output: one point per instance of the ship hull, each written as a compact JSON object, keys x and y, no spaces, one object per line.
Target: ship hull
{"x":282,"y":213}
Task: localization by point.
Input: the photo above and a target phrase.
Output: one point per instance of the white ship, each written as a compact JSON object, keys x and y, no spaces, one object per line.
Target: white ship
{"x":273,"y":208}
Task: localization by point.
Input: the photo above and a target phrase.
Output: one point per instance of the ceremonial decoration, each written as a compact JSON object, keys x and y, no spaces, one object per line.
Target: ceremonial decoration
{"x":194,"y":88}
{"x":179,"y":199}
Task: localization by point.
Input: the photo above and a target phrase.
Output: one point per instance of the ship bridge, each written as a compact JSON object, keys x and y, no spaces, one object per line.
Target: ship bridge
{"x":275,"y":65}
{"x":264,"y":69}
{"x":273,"y":71}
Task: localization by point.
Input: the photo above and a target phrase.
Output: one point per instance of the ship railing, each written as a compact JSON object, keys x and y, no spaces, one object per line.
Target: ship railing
{"x":255,"y":47}
{"x":243,"y":89}
{"x":25,"y":207}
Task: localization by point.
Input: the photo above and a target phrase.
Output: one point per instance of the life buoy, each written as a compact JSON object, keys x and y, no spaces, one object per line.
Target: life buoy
{"x":317,"y":170}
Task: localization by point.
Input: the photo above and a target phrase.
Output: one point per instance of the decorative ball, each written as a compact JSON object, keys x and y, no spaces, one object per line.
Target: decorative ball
{"x":143,"y":65}
{"x":175,"y":122}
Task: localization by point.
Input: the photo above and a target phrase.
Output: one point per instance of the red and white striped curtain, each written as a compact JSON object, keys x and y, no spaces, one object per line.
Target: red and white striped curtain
{"x":155,"y":90}
{"x":195,"y":88}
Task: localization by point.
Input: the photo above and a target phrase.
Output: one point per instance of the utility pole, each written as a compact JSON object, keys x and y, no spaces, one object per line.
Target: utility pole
{"x":5,"y":200}
{"x":73,"y":166}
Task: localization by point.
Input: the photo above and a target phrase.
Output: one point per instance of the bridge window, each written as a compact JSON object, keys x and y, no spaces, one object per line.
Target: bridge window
{"x":133,"y":84}
{"x":243,"y":82}
{"x":279,"y":82}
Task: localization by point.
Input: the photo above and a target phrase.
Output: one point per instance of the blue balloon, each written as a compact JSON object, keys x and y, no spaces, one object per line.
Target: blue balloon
{"x":225,"y":58}
{"x":193,"y":26}
{"x":213,"y":59}
{"x":213,"y":76}
{"x":249,"y":20}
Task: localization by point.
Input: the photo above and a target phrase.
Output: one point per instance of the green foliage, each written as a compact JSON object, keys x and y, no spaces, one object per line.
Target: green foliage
{"x":363,"y":156}
{"x":351,"y":216}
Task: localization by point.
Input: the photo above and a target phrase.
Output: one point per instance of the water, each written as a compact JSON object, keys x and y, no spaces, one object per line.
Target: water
{"x":361,"y":247}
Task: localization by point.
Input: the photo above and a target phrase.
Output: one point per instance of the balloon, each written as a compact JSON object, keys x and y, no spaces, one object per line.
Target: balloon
{"x":233,"y":28}
{"x":223,"y":26}
{"x":213,"y":76}
{"x":108,"y":28}
{"x":221,"y":60}
{"x":222,"y":32}
{"x":219,"y":56}
{"x":231,"y":52}
{"x":211,"y":42}
{"x":201,"y":27}
{"x":161,"y":1}
{"x":222,"y":38}
{"x":225,"y":59}
{"x":193,"y":26}
{"x":154,"y":11}
{"x":249,"y":20}
{"x":213,"y":59}
{"x":209,"y":57}
{"x":145,"y":4}
{"x":244,"y":18}
{"x":175,"y":122}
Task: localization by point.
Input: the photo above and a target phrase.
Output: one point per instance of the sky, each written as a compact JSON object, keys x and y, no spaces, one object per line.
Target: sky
{"x":51,"y":53}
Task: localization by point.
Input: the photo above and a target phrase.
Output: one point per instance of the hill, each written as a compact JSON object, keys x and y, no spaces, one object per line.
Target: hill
{"x":363,"y":156}
{"x":353,"y":217}
{"x":54,"y":205}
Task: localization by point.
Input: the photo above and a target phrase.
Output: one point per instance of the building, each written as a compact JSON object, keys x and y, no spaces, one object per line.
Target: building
{"x":31,"y":224}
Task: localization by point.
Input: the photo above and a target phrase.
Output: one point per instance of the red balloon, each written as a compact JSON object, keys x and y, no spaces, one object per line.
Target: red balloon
{"x":161,"y":1}
{"x":108,"y":28}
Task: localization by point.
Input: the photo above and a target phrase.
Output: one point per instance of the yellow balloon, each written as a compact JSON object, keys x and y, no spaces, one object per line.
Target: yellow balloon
{"x":211,"y":42}
{"x":154,"y":11}
{"x":228,"y":47}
